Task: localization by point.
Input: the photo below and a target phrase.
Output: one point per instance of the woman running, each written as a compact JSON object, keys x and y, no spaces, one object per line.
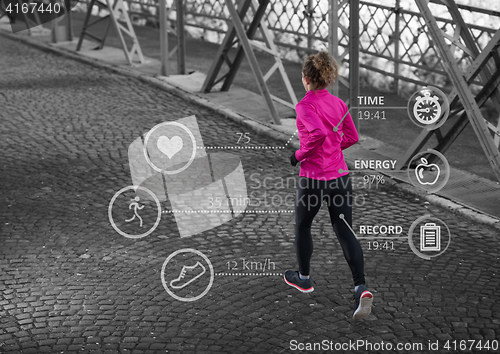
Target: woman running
{"x":325,"y":129}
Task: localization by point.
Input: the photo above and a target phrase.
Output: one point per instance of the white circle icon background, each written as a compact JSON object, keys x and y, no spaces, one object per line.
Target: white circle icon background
{"x":429,"y":108}
{"x":135,"y":189}
{"x":169,"y":144}
{"x":196,"y":266}
{"x":427,"y":226}
{"x":429,"y":176}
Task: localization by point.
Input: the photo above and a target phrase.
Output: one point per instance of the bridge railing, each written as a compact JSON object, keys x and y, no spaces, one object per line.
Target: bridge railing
{"x":392,"y":40}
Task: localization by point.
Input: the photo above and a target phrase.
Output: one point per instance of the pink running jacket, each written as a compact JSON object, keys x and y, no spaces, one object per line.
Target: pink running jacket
{"x":320,"y":153}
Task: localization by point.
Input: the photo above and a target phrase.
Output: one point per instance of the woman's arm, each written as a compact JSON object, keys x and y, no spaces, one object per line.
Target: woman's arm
{"x":317,"y":133}
{"x":350,"y":136}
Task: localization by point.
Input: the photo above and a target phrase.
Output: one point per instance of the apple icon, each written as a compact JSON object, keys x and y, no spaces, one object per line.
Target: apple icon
{"x":425,"y":166}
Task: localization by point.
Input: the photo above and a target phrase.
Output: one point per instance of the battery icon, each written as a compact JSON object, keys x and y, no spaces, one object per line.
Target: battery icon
{"x":430,"y":237}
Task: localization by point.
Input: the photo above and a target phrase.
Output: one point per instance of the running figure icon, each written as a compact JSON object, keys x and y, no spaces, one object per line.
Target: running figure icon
{"x":136,"y":206}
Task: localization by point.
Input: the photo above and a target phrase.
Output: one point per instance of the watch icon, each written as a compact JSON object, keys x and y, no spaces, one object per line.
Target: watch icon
{"x":427,"y":108}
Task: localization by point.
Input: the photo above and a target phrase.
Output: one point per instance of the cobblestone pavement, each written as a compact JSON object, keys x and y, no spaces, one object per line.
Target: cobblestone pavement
{"x":70,"y":283}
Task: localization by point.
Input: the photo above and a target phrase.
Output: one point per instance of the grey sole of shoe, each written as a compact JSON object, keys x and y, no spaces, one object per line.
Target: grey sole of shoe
{"x":364,"y":308}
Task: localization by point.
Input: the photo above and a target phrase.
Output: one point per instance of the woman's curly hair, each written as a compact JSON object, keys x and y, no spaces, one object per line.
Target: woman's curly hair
{"x":321,"y":69}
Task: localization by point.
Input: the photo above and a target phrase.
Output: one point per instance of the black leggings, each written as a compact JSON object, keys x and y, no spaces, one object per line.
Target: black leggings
{"x":338,"y":195}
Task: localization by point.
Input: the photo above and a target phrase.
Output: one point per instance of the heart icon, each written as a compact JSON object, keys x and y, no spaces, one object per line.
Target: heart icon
{"x":169,"y":147}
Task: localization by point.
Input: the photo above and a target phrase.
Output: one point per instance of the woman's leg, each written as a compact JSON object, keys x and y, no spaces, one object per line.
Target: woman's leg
{"x":340,"y":202}
{"x":308,"y":201}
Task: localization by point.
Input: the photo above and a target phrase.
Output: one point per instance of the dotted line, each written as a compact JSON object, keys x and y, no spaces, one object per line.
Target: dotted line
{"x":240,"y":147}
{"x":227,"y":211}
{"x":289,"y":140}
{"x":248,"y":147}
{"x":248,"y":274}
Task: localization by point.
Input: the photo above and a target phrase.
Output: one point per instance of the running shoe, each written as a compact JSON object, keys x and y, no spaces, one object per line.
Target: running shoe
{"x":292,"y":278}
{"x":362,"y":303}
{"x":182,"y":280}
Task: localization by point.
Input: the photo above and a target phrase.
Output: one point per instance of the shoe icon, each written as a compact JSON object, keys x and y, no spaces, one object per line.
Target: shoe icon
{"x":184,"y":270}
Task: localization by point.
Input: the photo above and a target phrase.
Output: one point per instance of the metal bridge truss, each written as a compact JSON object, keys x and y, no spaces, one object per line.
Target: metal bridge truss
{"x":245,"y":37}
{"x":336,"y":7}
{"x":117,"y":12}
{"x":483,"y":68}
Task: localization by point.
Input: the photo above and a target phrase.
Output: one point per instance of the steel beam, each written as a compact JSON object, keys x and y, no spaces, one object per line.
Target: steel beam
{"x":181,"y":39}
{"x":477,"y":67}
{"x":245,"y":38}
{"x":87,"y":24}
{"x":222,"y":53}
{"x":116,"y":9}
{"x":254,"y":64}
{"x":164,"y":70}
{"x":333,"y":37}
{"x":354,"y":61}
{"x":463,"y":90}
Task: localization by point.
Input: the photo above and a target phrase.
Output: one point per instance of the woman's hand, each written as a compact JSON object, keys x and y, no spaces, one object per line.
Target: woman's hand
{"x":293,"y":160}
